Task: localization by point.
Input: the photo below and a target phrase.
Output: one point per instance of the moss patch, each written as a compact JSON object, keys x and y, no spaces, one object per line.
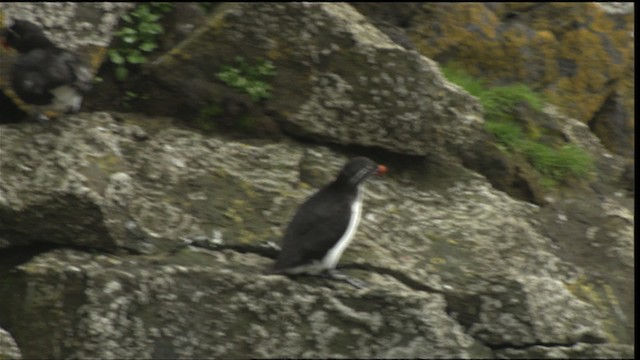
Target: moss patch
{"x":501,"y":105}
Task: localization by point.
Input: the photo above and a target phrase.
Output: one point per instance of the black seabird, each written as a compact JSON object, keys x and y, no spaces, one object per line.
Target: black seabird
{"x":44,"y":75}
{"x":325,"y":223}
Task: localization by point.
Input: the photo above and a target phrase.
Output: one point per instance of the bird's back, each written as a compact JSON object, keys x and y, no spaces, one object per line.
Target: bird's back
{"x":39,"y":71}
{"x":51,"y":76}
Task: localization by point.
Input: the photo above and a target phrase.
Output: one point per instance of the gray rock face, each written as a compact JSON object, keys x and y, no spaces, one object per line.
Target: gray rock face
{"x":339,"y":78}
{"x":123,"y":236}
{"x":8,"y":347}
{"x":202,"y":304}
{"x":72,"y":26}
{"x":456,"y":268}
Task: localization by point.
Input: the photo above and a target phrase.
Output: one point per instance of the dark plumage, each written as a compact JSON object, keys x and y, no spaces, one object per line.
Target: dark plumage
{"x":44,"y":74}
{"x":325,"y":223}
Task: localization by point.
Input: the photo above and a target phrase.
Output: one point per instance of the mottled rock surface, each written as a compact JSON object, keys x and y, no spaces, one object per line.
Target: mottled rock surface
{"x":196,"y":304}
{"x":465,"y":265}
{"x":581,"y":54}
{"x":8,"y":347}
{"x":128,"y":236}
{"x":339,"y":78}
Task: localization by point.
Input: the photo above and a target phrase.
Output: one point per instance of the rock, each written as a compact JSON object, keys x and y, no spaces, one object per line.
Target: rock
{"x":628,"y":177}
{"x":510,"y":173}
{"x":329,"y":84}
{"x":615,"y":120}
{"x":203,"y":304}
{"x":8,"y":347}
{"x":556,"y":48}
{"x":579,"y":351}
{"x":185,"y":18}
{"x":468,"y":268}
{"x":99,"y":188}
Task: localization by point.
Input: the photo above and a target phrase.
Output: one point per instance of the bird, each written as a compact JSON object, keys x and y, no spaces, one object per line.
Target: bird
{"x":325,"y":223}
{"x":51,"y":79}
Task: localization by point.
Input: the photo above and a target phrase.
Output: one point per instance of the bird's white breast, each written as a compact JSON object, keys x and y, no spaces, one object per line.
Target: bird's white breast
{"x":333,"y":256}
{"x":66,"y":99}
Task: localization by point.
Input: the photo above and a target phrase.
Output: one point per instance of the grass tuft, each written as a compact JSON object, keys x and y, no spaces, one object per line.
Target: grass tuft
{"x":500,"y":104}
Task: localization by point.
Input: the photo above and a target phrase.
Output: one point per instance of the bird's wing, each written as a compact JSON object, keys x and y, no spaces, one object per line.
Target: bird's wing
{"x":67,"y":69}
{"x":28,"y":80}
{"x":316,"y":227}
{"x":54,"y":67}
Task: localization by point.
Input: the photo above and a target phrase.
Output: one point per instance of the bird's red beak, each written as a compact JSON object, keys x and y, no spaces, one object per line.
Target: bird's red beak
{"x":381,"y":170}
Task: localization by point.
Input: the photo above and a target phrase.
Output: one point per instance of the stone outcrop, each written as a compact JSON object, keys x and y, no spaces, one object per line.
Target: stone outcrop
{"x":129,"y":236}
{"x":467,"y":258}
{"x":580,"y":55}
{"x":8,"y":347}
{"x":339,"y":79}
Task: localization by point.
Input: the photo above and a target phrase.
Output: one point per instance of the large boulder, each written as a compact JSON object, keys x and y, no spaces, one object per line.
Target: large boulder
{"x":339,"y":79}
{"x":470,"y":269}
{"x":123,"y":235}
{"x":202,"y":304}
{"x":580,"y":55}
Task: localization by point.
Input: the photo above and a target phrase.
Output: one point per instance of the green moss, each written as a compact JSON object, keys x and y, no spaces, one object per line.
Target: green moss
{"x":508,"y":133}
{"x":138,"y":36}
{"x":557,"y":164}
{"x":500,"y":104}
{"x":459,"y":77}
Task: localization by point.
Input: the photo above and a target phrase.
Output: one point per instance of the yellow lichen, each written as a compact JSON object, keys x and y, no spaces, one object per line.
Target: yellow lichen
{"x":533,"y":48}
{"x":584,"y":289}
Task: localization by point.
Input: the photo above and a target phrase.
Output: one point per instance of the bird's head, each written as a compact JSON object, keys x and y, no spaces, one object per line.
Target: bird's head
{"x":359,"y":169}
{"x":24,"y":36}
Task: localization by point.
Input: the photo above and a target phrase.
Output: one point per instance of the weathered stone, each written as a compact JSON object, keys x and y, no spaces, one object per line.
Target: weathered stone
{"x":8,"y":347}
{"x":579,"y":351}
{"x":339,"y":79}
{"x":580,"y":55}
{"x":427,"y":226}
{"x":198,"y":304}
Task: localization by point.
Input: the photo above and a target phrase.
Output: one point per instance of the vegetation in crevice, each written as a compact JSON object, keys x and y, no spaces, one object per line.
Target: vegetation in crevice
{"x":250,"y":79}
{"x":555,"y":163}
{"x":139,"y":35}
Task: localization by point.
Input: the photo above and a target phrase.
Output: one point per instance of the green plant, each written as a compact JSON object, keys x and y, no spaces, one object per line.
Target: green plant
{"x":557,"y":164}
{"x":508,"y":133}
{"x":249,"y":78}
{"x":459,"y":77}
{"x":500,"y":103}
{"x":137,"y":37}
{"x":130,"y":96}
